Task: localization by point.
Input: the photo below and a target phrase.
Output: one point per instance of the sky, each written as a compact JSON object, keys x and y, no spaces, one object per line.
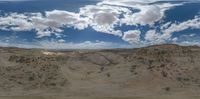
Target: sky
{"x":98,"y":24}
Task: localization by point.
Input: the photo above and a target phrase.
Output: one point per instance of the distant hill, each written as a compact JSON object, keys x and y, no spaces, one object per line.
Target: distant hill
{"x":149,"y":71}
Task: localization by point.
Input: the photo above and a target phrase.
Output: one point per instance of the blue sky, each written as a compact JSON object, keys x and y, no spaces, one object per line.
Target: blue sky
{"x":98,"y":24}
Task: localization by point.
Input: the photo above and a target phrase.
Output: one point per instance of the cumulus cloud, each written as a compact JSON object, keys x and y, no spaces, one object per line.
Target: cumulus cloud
{"x":132,"y":36}
{"x":177,"y":27}
{"x":46,"y":25}
{"x":148,"y":15}
{"x":103,"y":17}
{"x":167,"y":30}
{"x":54,"y":20}
{"x":152,"y":37}
{"x":15,"y":22}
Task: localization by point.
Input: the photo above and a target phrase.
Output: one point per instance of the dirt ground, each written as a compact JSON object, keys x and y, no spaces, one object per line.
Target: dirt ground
{"x":155,"y":72}
{"x":147,"y":97}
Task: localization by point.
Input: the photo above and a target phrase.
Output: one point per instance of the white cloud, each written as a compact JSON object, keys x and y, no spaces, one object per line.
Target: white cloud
{"x":141,"y":1}
{"x":15,"y":22}
{"x":132,"y":36}
{"x":168,"y":29}
{"x":61,"y":40}
{"x":82,"y":45}
{"x":46,"y":25}
{"x":62,"y":18}
{"x":103,"y":17}
{"x":152,"y":36}
{"x":148,"y":15}
{"x":54,"y":20}
{"x":177,"y":27}
{"x":66,"y":45}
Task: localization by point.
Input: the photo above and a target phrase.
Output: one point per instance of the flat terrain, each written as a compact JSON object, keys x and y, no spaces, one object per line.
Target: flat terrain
{"x":151,"y":97}
{"x":155,"y":72}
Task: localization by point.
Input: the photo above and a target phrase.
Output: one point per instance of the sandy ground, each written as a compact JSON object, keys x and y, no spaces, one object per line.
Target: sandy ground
{"x":147,"y":97}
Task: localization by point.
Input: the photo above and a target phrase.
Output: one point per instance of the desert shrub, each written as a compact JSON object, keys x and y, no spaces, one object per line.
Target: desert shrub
{"x":167,"y":89}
